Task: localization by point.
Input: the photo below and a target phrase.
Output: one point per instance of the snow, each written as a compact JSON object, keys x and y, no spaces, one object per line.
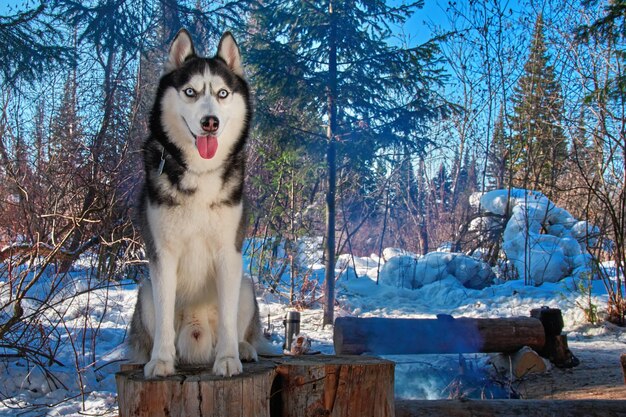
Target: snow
{"x":412,"y":271}
{"x":99,"y":318}
{"x":92,"y":324}
{"x":539,"y":257}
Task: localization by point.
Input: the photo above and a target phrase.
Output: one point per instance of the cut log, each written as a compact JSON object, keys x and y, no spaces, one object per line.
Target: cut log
{"x":291,"y":386}
{"x":445,"y":334}
{"x":527,"y":361}
{"x":196,"y":392}
{"x":341,"y":386}
{"x":521,"y":363}
{"x":511,"y":408}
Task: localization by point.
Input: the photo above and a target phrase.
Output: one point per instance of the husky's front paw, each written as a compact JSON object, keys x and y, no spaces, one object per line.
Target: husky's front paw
{"x":247,"y":352}
{"x":157,"y":367}
{"x":227,"y":366}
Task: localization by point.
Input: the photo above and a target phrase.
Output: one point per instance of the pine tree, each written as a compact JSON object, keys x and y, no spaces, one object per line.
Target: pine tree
{"x":30,"y":44}
{"x":66,"y":139}
{"x":333,"y":60}
{"x":539,"y":150}
{"x":442,"y":189}
{"x":461,"y":208}
{"x":468,"y":178}
{"x":498,"y":163}
{"x":610,"y":28}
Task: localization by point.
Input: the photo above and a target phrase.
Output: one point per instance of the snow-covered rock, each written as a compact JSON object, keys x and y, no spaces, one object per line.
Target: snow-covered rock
{"x":401,"y":271}
{"x":389,"y":253}
{"x":349,"y":266}
{"x":585,"y":233}
{"x":406,"y":271}
{"x":471,"y":272}
{"x":545,"y":243}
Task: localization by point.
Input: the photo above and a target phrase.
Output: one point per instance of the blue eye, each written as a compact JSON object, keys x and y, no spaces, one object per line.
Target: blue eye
{"x":223,"y":93}
{"x":190,"y":92}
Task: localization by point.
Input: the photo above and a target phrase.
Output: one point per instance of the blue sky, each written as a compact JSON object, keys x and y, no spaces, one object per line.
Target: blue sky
{"x":418,"y":25}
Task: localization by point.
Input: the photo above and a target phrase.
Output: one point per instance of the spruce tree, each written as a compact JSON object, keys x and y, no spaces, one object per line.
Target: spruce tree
{"x":610,"y":28}
{"x":539,"y":146}
{"x":441,"y":187}
{"x":498,"y":163}
{"x":334,"y":60}
{"x":30,"y":43}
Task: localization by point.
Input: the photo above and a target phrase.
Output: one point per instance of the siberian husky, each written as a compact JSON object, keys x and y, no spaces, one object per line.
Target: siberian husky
{"x":196,"y":308}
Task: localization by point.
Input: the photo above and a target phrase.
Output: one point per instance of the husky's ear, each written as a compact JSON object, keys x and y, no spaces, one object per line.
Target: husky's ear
{"x":180,"y":49}
{"x":229,"y":52}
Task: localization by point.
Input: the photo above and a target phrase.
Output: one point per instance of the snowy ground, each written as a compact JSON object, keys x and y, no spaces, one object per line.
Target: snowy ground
{"x":541,"y":241}
{"x":27,"y":391}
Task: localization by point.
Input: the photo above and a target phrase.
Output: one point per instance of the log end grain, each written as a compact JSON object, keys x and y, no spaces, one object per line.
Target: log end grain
{"x":196,"y":391}
{"x":337,"y":386}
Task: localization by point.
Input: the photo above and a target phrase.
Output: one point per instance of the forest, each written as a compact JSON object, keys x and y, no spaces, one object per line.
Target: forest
{"x":374,"y":123}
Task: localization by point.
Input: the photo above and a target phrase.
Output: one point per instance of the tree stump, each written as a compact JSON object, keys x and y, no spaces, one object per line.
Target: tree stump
{"x":551,"y":318}
{"x":196,"y":392}
{"x":561,"y":356}
{"x":291,"y":386}
{"x":555,"y":348}
{"x":335,"y":386}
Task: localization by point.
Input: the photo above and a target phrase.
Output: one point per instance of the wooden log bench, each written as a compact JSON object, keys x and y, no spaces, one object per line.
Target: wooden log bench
{"x":511,"y":408}
{"x":392,"y":336}
{"x":509,"y":337}
{"x":445,"y":334}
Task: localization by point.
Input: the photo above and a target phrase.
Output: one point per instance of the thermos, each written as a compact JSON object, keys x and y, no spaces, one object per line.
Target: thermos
{"x":292,"y":328}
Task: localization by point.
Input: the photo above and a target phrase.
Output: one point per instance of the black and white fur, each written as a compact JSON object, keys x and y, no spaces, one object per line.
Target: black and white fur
{"x":197,"y":308}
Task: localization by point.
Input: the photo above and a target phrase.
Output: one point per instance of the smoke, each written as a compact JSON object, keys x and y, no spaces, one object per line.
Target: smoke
{"x":437,"y":376}
{"x":423,"y":377}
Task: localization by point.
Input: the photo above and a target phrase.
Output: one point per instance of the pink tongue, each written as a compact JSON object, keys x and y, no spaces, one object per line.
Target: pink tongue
{"x":207,"y":146}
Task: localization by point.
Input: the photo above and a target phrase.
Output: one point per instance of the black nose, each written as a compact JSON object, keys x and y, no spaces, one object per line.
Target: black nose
{"x":210,"y":124}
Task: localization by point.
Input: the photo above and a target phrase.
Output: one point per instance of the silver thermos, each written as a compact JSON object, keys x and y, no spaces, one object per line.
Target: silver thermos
{"x":292,"y":328}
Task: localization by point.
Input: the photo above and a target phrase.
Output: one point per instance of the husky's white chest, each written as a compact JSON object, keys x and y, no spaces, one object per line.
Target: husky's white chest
{"x":195,"y":233}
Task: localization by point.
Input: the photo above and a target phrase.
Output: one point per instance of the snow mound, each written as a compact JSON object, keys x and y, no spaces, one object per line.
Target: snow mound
{"x":412,"y":272}
{"x":545,"y":243}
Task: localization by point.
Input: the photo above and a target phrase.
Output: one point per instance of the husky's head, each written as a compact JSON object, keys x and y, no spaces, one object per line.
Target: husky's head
{"x":203,"y":103}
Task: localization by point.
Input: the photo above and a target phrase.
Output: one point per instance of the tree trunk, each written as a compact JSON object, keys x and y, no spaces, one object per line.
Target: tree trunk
{"x":422,"y":232}
{"x":329,"y":279}
{"x":171,"y":19}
